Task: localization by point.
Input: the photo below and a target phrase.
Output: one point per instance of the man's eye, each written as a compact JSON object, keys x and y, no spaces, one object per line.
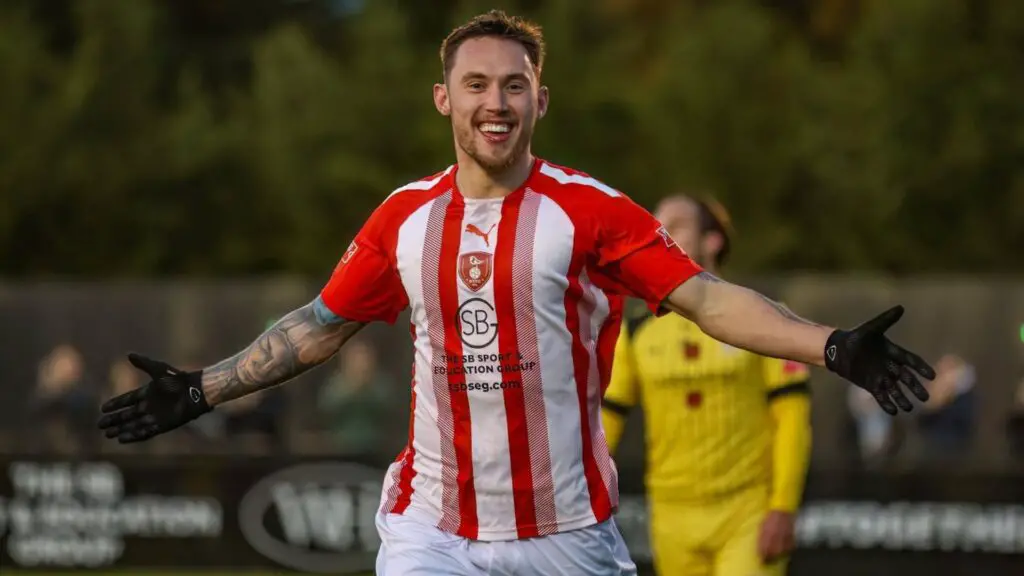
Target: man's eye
{"x":476,"y":86}
{"x":516,"y":87}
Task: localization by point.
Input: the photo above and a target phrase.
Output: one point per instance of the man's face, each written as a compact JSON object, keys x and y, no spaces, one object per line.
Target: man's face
{"x":493,"y":97}
{"x":681,"y":219}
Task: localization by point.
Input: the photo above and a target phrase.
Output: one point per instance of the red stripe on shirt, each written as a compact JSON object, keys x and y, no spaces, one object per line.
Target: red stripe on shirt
{"x":606,"y":339}
{"x":408,"y":472}
{"x":429,"y":276}
{"x":462,"y":439}
{"x":576,"y":322}
{"x":530,"y":375}
{"x":515,"y":405}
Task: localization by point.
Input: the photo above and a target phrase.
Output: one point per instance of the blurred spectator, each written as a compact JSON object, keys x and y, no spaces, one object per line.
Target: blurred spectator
{"x":879,"y":436}
{"x":254,"y":421}
{"x":63,"y":405}
{"x":355,"y":401}
{"x":1015,"y":424}
{"x":123,"y":378}
{"x":948,"y":420}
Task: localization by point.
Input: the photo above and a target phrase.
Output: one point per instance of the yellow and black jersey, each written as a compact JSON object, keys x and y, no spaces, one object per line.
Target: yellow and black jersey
{"x":708,"y":411}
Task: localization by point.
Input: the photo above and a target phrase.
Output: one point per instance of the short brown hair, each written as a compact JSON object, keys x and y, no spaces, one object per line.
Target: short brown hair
{"x":499,"y":25}
{"x":715,"y":218}
{"x":712,"y":217}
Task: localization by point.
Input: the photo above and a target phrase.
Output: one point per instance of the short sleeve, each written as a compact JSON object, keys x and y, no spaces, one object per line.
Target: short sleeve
{"x":365,"y":285}
{"x":636,"y":252}
{"x":780,"y":374}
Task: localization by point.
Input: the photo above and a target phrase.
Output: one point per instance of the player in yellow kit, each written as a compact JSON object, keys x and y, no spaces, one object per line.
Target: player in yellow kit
{"x":727,"y":432}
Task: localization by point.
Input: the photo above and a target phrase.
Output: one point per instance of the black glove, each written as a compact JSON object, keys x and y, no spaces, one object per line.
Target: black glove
{"x":171,"y":399}
{"x":867,"y":358}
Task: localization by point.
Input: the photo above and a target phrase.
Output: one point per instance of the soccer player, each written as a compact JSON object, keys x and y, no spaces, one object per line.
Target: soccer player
{"x":514,"y":271}
{"x":727,"y":431}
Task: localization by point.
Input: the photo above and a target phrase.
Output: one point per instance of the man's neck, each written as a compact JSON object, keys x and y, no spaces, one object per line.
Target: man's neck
{"x":475,"y":182}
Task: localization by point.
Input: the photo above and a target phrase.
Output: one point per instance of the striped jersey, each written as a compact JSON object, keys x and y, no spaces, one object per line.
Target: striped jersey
{"x":515,"y":306}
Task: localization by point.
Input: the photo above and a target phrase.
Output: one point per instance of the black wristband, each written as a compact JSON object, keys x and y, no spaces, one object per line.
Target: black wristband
{"x":196,"y":398}
{"x":833,"y":356}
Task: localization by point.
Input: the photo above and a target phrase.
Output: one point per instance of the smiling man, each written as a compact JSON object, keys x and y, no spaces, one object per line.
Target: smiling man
{"x":514,"y":271}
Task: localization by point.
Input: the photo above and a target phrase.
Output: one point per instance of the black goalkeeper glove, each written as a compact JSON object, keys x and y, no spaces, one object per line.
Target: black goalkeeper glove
{"x":871,"y":361}
{"x":172,"y":398}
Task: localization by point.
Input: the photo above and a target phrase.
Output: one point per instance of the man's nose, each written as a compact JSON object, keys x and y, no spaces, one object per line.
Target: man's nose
{"x":497,"y":100}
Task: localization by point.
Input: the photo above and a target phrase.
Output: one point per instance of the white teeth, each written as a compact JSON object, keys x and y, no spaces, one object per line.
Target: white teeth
{"x":493,"y":127}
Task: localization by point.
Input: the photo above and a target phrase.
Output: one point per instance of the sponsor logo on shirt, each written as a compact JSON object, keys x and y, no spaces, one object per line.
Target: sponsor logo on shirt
{"x":478,"y":323}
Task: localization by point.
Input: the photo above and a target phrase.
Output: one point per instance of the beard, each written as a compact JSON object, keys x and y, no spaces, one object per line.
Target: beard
{"x":469,"y":140}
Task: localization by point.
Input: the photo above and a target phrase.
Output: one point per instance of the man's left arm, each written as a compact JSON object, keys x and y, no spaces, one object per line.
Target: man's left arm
{"x":863,"y":355}
{"x":789,"y":404}
{"x":790,"y":407}
{"x":642,"y":260}
{"x":746,"y":319}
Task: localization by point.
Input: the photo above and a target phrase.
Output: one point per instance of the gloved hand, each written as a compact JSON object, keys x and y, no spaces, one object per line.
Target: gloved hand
{"x":865,"y":357}
{"x":171,"y":399}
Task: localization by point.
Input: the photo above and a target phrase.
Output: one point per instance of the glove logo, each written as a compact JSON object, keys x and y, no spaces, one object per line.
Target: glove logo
{"x":831,"y":352}
{"x":194,"y":394}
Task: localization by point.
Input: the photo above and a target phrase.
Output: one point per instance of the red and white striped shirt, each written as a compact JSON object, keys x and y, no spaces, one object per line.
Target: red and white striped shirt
{"x":515,"y":308}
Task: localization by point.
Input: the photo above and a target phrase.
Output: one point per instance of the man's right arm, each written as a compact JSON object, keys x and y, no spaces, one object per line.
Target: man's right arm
{"x":302,"y":339}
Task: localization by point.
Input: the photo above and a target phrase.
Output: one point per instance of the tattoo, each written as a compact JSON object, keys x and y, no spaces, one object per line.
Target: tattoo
{"x":786,"y":312}
{"x":303,"y":339}
{"x":709,"y":277}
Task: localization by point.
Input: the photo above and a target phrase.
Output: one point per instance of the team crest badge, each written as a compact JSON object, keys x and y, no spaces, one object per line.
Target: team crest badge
{"x":475,"y":269}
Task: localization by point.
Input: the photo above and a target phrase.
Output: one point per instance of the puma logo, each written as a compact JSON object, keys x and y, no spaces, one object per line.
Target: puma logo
{"x":472,"y":229}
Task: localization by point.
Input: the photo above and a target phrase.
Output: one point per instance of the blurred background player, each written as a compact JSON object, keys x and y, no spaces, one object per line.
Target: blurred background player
{"x":727,"y":431}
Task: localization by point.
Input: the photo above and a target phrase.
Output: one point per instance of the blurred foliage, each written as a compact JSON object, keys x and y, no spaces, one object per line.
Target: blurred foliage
{"x":251,"y":137}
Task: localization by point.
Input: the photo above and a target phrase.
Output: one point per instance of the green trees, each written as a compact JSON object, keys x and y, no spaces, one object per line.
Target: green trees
{"x":889,"y":137}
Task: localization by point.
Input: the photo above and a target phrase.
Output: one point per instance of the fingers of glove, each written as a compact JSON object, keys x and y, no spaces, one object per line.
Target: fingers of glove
{"x":883,"y":321}
{"x":154,"y":368}
{"x":120,"y":417}
{"x":913,"y":384}
{"x":139,"y":423}
{"x":916,"y":363}
{"x":125,"y":400}
{"x":137,"y":433}
{"x":898,"y":396}
{"x":881,"y":395}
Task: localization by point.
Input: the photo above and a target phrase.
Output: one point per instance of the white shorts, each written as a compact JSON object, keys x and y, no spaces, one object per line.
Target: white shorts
{"x":412,"y":548}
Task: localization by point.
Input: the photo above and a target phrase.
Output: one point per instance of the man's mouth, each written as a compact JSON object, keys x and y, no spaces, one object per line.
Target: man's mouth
{"x":495,"y":132}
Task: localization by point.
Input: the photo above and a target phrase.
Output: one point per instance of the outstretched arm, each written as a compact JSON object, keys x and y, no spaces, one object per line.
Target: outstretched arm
{"x":302,"y":339}
{"x":746,"y":319}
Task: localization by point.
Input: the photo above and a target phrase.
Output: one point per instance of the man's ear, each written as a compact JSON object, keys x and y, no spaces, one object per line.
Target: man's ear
{"x":441,"y":100}
{"x":712,"y":243}
{"x":542,"y":101}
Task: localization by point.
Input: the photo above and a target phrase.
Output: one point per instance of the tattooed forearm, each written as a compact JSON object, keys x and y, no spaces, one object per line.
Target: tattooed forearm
{"x":746,"y":319}
{"x":786,"y":312}
{"x":779,"y":307}
{"x":303,"y":339}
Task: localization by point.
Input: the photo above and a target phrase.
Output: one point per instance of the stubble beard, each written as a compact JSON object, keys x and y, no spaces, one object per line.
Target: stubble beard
{"x":466,"y":141}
